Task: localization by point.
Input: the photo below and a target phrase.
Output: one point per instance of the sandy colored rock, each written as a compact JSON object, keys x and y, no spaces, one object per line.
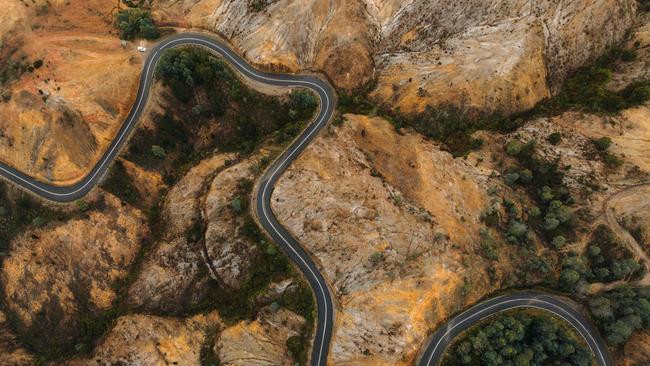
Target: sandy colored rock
{"x":12,"y":353}
{"x":182,"y":204}
{"x":176,"y":272}
{"x":62,"y":116}
{"x":61,"y":272}
{"x":379,"y":212}
{"x":230,"y":253}
{"x":259,"y":342}
{"x":146,"y":340}
{"x":491,"y":55}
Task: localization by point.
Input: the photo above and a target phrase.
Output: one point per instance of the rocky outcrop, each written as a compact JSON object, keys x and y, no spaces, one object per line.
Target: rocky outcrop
{"x":65,"y":271}
{"x":259,"y":342}
{"x":489,"y":55}
{"x":201,"y":238}
{"x":387,"y":217}
{"x":174,"y":275}
{"x":146,"y":340}
{"x":229,"y":251}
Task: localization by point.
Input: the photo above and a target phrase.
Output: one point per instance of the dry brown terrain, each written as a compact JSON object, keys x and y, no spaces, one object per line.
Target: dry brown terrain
{"x":360,"y":192}
{"x":62,"y":115}
{"x":494,"y":55}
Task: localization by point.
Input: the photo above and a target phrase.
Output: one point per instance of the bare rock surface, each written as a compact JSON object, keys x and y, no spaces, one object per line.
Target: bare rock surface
{"x":201,"y":239}
{"x":490,"y":55}
{"x":381,"y":212}
{"x":146,"y":340}
{"x":229,"y":251}
{"x":259,"y":342}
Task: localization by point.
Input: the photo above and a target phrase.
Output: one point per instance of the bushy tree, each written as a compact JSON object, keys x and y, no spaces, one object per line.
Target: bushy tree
{"x":621,"y":311}
{"x":136,"y":23}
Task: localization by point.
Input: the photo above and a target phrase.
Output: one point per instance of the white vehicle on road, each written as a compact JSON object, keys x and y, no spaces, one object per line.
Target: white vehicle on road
{"x":142,"y":49}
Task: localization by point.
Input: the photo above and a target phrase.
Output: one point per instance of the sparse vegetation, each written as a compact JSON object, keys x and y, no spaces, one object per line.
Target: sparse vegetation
{"x":605,"y":260}
{"x":519,"y":337}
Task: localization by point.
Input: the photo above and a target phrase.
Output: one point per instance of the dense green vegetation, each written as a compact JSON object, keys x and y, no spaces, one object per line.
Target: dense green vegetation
{"x":136,"y":23}
{"x":120,"y":184}
{"x":621,"y":311}
{"x":519,"y":338}
{"x":206,"y":84}
{"x":209,"y":100}
{"x":606,"y":260}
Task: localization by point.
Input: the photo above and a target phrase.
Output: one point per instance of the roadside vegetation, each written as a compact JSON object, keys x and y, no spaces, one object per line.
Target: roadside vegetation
{"x":520,"y":337}
{"x":213,"y":109}
{"x":136,"y":23}
{"x":621,"y":312}
{"x":605,"y":261}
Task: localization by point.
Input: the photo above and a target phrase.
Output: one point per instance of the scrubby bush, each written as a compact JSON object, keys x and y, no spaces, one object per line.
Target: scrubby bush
{"x":555,"y":138}
{"x":603,"y":143}
{"x":136,"y":23}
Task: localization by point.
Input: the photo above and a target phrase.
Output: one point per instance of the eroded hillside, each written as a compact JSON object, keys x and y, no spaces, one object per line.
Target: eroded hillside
{"x":494,"y":55}
{"x":68,"y":85}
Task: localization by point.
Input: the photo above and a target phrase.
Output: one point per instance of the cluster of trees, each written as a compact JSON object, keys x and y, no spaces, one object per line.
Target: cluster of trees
{"x":544,"y":180}
{"x":622,"y":311}
{"x":196,"y":76}
{"x":587,"y":89}
{"x":601,"y":147}
{"x":605,"y":261}
{"x":136,"y":23}
{"x":519,"y":338}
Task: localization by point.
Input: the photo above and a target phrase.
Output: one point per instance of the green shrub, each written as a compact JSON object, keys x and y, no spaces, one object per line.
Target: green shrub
{"x":375,"y":258}
{"x":513,"y":147}
{"x":237,"y":205}
{"x":555,"y":138}
{"x":620,"y":312}
{"x":603,"y":143}
{"x":158,"y":151}
{"x":136,"y":23}
{"x":628,"y":55}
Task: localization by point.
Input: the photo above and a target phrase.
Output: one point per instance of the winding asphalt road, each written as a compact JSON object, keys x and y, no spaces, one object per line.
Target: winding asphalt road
{"x":290,"y":245}
{"x":445,"y":335}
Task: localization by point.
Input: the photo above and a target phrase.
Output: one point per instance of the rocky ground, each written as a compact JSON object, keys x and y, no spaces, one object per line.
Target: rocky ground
{"x":491,"y":55}
{"x":392,"y":219}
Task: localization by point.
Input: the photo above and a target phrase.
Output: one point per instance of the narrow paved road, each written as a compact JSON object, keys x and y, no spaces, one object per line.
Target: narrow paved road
{"x":327,"y":104}
{"x":445,"y":335}
{"x":289,"y":244}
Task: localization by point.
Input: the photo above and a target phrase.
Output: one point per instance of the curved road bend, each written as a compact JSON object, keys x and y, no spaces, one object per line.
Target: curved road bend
{"x":298,"y":255}
{"x":444,"y":336}
{"x":268,"y":220}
